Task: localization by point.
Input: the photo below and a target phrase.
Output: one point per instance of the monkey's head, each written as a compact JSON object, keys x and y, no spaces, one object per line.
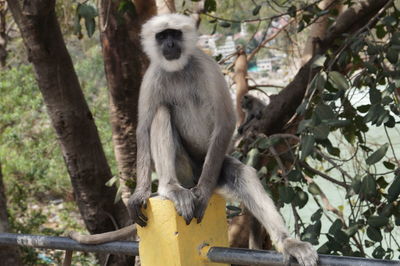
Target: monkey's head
{"x":169,"y":40}
{"x":247,"y":102}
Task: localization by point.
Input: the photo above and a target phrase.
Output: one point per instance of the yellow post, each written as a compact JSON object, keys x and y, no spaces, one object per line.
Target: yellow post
{"x":168,"y":241}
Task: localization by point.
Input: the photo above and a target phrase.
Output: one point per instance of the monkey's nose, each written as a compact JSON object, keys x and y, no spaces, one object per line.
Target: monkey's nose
{"x":170,"y":44}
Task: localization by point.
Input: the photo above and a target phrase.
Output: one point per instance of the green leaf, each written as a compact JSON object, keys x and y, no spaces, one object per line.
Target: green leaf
{"x":319,"y":61}
{"x":321,"y":132}
{"x":316,"y":216}
{"x":324,"y":249}
{"x":314,"y":189}
{"x":295,"y":176}
{"x":127,"y":6}
{"x":337,"y":123}
{"x":380,"y":31}
{"x":375,"y":96}
{"x":300,"y":198}
{"x":363,"y":108}
{"x":338,"y":80}
{"x":377,"y":221}
{"x":253,"y":157}
{"x":324,"y":112}
{"x":368,"y":188}
{"x":224,"y":24}
{"x":90,"y":25}
{"x":356,"y":184}
{"x":352,"y":230}
{"x":307,"y":145}
{"x":389,"y":165}
{"x":292,"y":11}
{"x":378,"y":252}
{"x":210,"y":5}
{"x":374,"y":234}
{"x":286,"y":193}
{"x":335,"y":227}
{"x":394,"y":189}
{"x":377,"y":155}
{"x":112,"y":181}
{"x":392,"y":55}
{"x":87,"y":11}
{"x":256,"y":10}
{"x":233,"y":208}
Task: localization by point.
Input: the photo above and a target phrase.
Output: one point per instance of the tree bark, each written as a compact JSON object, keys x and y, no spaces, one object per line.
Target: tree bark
{"x":284,"y":105}
{"x":125,"y":64}
{"x":69,"y":114}
{"x":241,"y":83}
{"x":318,"y":29}
{"x":9,"y":255}
{"x":3,"y":34}
{"x":165,"y":6}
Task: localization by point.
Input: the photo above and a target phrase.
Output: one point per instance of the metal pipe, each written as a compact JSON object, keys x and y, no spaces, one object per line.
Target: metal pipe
{"x":260,"y":257}
{"x":65,"y":243}
{"x":214,"y":254}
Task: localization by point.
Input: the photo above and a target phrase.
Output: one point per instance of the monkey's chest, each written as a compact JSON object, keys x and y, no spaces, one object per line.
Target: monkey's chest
{"x":194,"y":125}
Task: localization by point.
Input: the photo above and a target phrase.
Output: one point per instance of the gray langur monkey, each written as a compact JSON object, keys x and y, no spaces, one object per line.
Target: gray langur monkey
{"x":186,"y":121}
{"x":253,"y":108}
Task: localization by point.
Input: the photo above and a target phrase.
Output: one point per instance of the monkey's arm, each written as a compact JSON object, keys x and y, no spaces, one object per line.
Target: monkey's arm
{"x":143,"y":174}
{"x":224,"y":126}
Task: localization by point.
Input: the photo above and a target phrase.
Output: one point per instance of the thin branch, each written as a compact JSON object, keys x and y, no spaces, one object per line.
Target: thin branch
{"x":333,"y":163}
{"x":325,"y":176}
{"x":263,"y":43}
{"x":325,"y":201}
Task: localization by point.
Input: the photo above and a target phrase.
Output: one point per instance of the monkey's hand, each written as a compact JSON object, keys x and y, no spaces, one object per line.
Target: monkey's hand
{"x":202,"y":196}
{"x":182,"y":198}
{"x":302,"y":251}
{"x":136,"y":202}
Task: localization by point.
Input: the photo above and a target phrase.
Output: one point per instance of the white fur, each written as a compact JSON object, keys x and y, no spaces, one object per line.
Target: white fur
{"x":169,"y":21}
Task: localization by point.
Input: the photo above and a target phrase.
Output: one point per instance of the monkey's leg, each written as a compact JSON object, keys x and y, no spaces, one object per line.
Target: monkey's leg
{"x":164,"y":144}
{"x":241,"y":182}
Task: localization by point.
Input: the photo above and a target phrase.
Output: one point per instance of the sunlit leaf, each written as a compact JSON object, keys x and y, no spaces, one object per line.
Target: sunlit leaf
{"x":377,"y":221}
{"x":338,"y":80}
{"x":210,"y":5}
{"x":377,"y":155}
{"x":394,"y":189}
{"x":307,"y":145}
{"x":256,"y":10}
{"x":374,"y":234}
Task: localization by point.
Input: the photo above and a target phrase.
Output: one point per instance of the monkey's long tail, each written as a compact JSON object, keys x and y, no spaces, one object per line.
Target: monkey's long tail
{"x":120,"y":234}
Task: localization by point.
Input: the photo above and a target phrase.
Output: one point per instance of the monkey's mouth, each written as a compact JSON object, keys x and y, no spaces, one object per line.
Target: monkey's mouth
{"x":172,"y":54}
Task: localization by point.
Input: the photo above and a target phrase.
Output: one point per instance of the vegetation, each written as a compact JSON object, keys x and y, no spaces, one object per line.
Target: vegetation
{"x":326,"y":147}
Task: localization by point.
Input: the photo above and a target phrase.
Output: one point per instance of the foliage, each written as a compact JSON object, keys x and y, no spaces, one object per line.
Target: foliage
{"x":37,"y":183}
{"x":350,"y":101}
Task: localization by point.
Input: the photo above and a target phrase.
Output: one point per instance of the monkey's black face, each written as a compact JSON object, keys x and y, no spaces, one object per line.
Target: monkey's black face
{"x":170,"y":42}
{"x":246,"y":102}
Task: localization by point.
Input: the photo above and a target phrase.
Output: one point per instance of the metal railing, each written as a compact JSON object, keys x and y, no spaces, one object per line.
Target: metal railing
{"x":215,"y":254}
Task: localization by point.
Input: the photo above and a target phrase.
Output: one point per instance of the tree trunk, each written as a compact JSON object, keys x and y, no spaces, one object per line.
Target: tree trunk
{"x":3,"y":34}
{"x":124,"y":63}
{"x":9,"y":255}
{"x":318,"y":29}
{"x":241,"y":83}
{"x":69,"y":114}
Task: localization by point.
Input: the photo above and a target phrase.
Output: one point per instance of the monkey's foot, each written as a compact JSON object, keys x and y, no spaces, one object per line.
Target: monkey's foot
{"x":202,"y":197}
{"x":302,"y":251}
{"x":135,"y":204}
{"x":183,"y":200}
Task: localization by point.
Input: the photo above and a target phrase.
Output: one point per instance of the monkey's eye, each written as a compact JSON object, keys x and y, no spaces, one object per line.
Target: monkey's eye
{"x":161,"y":35}
{"x":177,"y":34}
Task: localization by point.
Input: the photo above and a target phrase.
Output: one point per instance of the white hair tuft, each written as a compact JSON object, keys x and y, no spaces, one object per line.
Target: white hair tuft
{"x":169,"y":21}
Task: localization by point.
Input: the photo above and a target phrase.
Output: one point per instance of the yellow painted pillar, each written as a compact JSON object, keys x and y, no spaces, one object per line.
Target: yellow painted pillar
{"x":168,"y":241}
